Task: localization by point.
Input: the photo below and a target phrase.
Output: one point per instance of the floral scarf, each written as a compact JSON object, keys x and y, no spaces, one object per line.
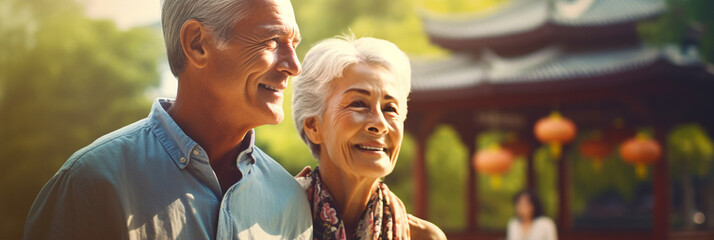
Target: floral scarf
{"x":376,"y":222}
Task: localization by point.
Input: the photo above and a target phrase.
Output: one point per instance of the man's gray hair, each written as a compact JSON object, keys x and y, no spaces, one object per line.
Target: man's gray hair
{"x":327,"y":60}
{"x":218,"y":16}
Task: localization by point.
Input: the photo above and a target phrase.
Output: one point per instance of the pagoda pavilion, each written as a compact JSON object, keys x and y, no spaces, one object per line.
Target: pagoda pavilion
{"x":583,"y":58}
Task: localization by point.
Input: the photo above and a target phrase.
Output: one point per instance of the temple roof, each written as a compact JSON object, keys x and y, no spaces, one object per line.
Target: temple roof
{"x":548,"y":64}
{"x":521,"y":16}
{"x":604,"y":12}
{"x":522,"y":26}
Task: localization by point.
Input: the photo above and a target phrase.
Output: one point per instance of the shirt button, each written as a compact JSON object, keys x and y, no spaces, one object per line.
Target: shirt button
{"x":195,"y":152}
{"x":182,"y":160}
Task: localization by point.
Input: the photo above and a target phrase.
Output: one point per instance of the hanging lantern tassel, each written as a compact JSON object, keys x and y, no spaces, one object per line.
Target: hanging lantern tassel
{"x":556,"y":149}
{"x":597,"y":164}
{"x":641,"y":170}
{"x":496,"y":180}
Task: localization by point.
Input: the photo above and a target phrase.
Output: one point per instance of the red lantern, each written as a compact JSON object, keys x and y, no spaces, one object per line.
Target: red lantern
{"x":640,"y":150}
{"x":596,"y":149}
{"x":619,"y":132}
{"x":555,"y":130}
{"x":493,"y":161}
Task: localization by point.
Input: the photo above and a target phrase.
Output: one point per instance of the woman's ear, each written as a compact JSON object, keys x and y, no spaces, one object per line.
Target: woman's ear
{"x":312,"y":130}
{"x":194,"y":42}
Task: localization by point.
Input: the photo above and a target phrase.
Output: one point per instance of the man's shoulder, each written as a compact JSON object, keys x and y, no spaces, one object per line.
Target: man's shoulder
{"x":268,"y":162}
{"x":109,"y":148}
{"x":277,"y":175}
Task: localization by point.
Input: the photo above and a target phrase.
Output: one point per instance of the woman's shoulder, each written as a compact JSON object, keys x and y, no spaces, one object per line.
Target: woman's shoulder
{"x":304,"y":178}
{"x":422,"y":229}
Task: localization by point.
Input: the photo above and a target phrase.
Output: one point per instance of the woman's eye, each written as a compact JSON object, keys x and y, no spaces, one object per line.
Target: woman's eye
{"x":358,"y":104}
{"x":390,"y":109}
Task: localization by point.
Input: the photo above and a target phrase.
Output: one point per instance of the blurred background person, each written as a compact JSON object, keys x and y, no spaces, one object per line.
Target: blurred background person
{"x":530,"y":223}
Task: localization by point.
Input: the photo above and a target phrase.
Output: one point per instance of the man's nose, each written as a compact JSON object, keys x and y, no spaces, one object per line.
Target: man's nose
{"x":288,"y":61}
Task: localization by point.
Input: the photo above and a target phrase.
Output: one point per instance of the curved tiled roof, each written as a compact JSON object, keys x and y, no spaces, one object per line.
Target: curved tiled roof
{"x":462,"y":71}
{"x":520,"y":16}
{"x":606,"y":12}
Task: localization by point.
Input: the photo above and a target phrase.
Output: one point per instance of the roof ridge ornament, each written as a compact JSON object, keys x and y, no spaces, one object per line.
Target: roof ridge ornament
{"x":501,"y":67}
{"x":573,"y":9}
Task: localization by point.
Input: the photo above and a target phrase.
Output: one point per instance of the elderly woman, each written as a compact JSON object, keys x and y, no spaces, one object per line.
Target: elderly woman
{"x":349,"y":106}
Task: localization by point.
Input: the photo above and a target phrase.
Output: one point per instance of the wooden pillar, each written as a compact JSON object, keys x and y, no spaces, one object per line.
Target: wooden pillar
{"x":660,"y":191}
{"x":471,"y":185}
{"x":563,"y":193}
{"x":530,"y":173}
{"x":530,"y":167}
{"x":422,"y":126}
{"x":421,"y":191}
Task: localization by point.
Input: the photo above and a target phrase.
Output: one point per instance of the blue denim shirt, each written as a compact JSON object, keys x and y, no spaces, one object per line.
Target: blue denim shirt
{"x":149,"y":180}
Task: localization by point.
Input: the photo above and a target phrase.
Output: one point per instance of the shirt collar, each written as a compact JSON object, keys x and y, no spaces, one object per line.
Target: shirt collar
{"x":179,"y":145}
{"x":175,"y":141}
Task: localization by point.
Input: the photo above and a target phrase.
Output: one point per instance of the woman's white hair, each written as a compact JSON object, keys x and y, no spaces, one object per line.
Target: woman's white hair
{"x":327,"y":61}
{"x":218,"y":16}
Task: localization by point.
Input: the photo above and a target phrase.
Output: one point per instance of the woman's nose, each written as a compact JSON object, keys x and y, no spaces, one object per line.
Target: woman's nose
{"x":377,"y":124}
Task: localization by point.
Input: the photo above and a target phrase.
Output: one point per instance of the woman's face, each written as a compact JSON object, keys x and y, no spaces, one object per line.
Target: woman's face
{"x":361,"y":128}
{"x":524,"y":208}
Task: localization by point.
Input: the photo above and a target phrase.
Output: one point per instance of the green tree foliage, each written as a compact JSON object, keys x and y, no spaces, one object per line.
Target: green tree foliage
{"x":546,"y":173}
{"x":446,"y":162}
{"x":691,"y":150}
{"x":64,"y":81}
{"x":683,"y":22}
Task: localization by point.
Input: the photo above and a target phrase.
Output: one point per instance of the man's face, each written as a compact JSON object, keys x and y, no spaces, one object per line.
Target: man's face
{"x":247,"y":78}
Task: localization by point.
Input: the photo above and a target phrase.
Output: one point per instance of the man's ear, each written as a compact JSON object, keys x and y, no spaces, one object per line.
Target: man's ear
{"x":312,"y":130}
{"x":194,"y":42}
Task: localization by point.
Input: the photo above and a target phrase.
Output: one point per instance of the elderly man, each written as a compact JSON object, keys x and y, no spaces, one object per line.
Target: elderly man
{"x":190,"y":170}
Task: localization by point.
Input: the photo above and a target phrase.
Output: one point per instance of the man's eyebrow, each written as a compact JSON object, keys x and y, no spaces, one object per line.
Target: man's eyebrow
{"x":281,"y":30}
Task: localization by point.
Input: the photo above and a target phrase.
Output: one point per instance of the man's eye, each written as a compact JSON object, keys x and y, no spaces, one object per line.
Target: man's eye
{"x":273,"y":42}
